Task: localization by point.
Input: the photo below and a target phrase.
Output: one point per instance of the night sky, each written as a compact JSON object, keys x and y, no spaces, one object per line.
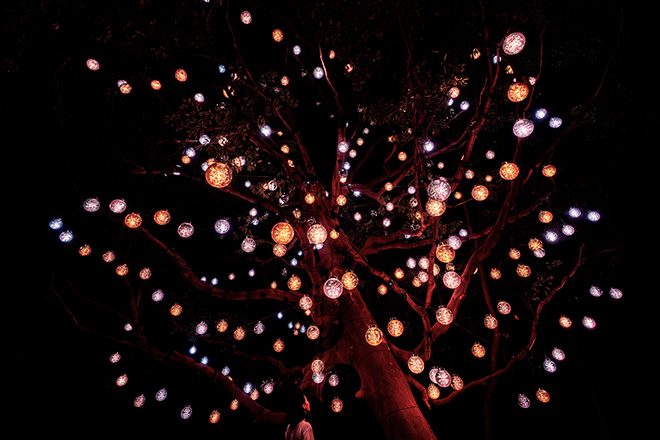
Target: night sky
{"x":62,"y":383}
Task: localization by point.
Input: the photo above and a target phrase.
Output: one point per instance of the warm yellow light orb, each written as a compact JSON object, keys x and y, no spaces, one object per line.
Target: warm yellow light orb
{"x":490,"y":322}
{"x":85,"y":250}
{"x":495,"y":274}
{"x":294,"y":283}
{"x":565,"y":321}
{"x":162,"y":217}
{"x":156,"y":85}
{"x":445,"y":253}
{"x":239,"y":333}
{"x":517,"y":92}
{"x":545,"y":216}
{"x":305,"y":302}
{"x":341,"y":200}
{"x":122,"y":270}
{"x":218,"y":175}
{"x":222,"y":326}
{"x":382,"y":289}
{"x":444,"y":316}
{"x":523,"y":270}
{"x":549,"y":170}
{"x":399,"y":273}
{"x":282,"y":233}
{"x":433,"y":391}
{"x":514,"y":254}
{"x":373,"y":335}
{"x":317,"y":234}
{"x":279,"y":250}
{"x":133,"y":220}
{"x":278,"y":35}
{"x":176,"y":310}
{"x":181,"y":75}
{"x":309,"y":198}
{"x":349,"y":280}
{"x":435,"y":208}
{"x":478,"y":350}
{"x":395,"y":327}
{"x":415,"y":364}
{"x":509,"y":171}
{"x":480,"y":193}
{"x":402,"y":156}
{"x":543,"y":395}
{"x":535,"y":244}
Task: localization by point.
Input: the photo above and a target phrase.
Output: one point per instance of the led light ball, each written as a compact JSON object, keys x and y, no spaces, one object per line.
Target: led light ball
{"x":444,"y":316}
{"x":233,"y":405}
{"x":162,"y":217}
{"x":543,"y":395}
{"x":615,"y":293}
{"x":259,"y":328}
{"x":549,"y":365}
{"x":509,"y":171}
{"x":480,"y":193}
{"x":92,"y":64}
{"x":214,"y":417}
{"x":181,"y":75}
{"x":176,"y":310}
{"x":333,"y":287}
{"x":122,"y":270}
{"x":118,"y":206}
{"x":145,"y":273}
{"x":523,"y":271}
{"x":282,"y":233}
{"x":549,"y":170}
{"x":399,"y":273}
{"x":239,"y":333}
{"x":313,"y":332}
{"x":133,"y":220}
{"x":108,"y":256}
{"x":514,"y":254}
{"x":305,"y":302}
{"x":278,"y":345}
{"x":490,"y":322}
{"x":456,"y":382}
{"x":278,"y":35}
{"x":155,"y":84}
{"x":222,"y":226}
{"x":589,"y":323}
{"x":185,"y":230}
{"x":451,"y":279}
{"x":373,"y":335}
{"x":523,"y":401}
{"x":433,"y":391}
{"x":248,"y":245}
{"x":336,"y":405}
{"x":435,"y":208}
{"x":415,"y":364}
{"x":558,"y":354}
{"x":517,"y":92}
{"x":478,"y":350}
{"x":495,"y":273}
{"x":565,"y":321}
{"x":513,"y":43}
{"x":91,"y":205}
{"x":439,"y":189}
{"x":395,"y":327}
{"x":349,"y":280}
{"x":545,"y":216}
{"x":535,"y":244}
{"x":522,"y":128}
{"x":317,"y":366}
{"x":382,"y":289}
{"x":279,"y":250}
{"x":317,"y":234}
{"x":445,"y":253}
{"x":504,"y":307}
{"x":222,"y":326}
{"x":246,"y":17}
{"x":218,"y":175}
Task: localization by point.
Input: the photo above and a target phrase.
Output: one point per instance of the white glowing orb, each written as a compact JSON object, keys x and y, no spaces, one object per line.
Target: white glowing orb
{"x":222,"y":226}
{"x":523,"y":128}
{"x":55,"y":224}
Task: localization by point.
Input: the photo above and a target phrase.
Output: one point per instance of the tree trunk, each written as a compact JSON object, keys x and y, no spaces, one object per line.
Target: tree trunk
{"x":384,"y":385}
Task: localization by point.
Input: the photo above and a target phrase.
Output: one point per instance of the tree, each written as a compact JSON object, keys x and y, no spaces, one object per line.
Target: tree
{"x":369,"y":161}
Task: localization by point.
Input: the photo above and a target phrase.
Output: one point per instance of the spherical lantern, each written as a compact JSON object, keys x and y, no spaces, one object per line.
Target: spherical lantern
{"x":444,"y":316}
{"x":278,"y":345}
{"x":122,"y":380}
{"x":317,"y":234}
{"x":374,"y":335}
{"x":233,"y":405}
{"x":239,"y":333}
{"x":279,"y":250}
{"x":415,"y":364}
{"x":248,"y":245}
{"x":349,"y":280}
{"x":218,"y":175}
{"x":222,"y":326}
{"x":259,"y":328}
{"x":549,"y":365}
{"x":439,"y":189}
{"x":480,"y":193}
{"x":549,"y":170}
{"x":122,"y":270}
{"x":523,"y":270}
{"x":535,"y":244}
{"x":490,"y":322}
{"x":246,"y":17}
{"x":108,"y":256}
{"x":478,"y":350}
{"x":305,"y":302}
{"x":333,"y":287}
{"x":185,"y":230}
{"x":451,"y":279}
{"x":435,"y":208}
{"x":589,"y":322}
{"x":509,"y":171}
{"x":282,"y":233}
{"x":180,"y":75}
{"x":278,"y":35}
{"x":145,"y":273}
{"x":433,"y":391}
{"x":176,"y":310}
{"x":545,"y":216}
{"x":517,"y":92}
{"x":495,"y":273}
{"x":514,"y":254}
{"x":456,"y":382}
{"x":133,"y":220}
{"x":558,"y":354}
{"x":341,"y":200}
{"x":92,"y":64}
{"x":382,"y":289}
{"x":333,"y":380}
{"x":523,"y":128}
{"x":162,"y":217}
{"x":85,"y":250}
{"x":117,"y":206}
{"x":91,"y":205}
{"x":294,"y":282}
{"x":318,"y":378}
{"x":313,"y":332}
{"x":214,"y":417}
{"x":523,"y":401}
{"x":317,"y":366}
{"x":337,"y":405}
{"x":565,"y":321}
{"x":504,"y":307}
{"x":395,"y":327}
{"x":513,"y":43}
{"x":445,"y":253}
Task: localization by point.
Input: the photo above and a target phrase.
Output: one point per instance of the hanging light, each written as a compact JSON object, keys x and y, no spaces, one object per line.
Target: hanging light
{"x":333,"y":287}
{"x":478,"y":350}
{"x":349,"y":280}
{"x":218,"y":175}
{"x":509,"y":171}
{"x":317,"y":234}
{"x":513,"y":43}
{"x":444,"y":316}
{"x":282,"y":233}
{"x":374,"y":335}
{"x":395,"y":327}
{"x":415,"y":364}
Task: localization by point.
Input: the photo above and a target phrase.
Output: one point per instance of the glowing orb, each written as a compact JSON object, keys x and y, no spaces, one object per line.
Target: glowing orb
{"x":513,"y":43}
{"x":218,"y":175}
{"x":374,"y":335}
{"x":333,"y":287}
{"x":444,"y":316}
{"x":523,"y":128}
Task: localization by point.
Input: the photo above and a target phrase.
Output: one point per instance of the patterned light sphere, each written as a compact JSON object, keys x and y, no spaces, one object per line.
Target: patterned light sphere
{"x":91,"y":205}
{"x":279,"y":250}
{"x":523,"y":401}
{"x":382,"y":289}
{"x":535,"y":244}
{"x":549,"y":170}
{"x":268,"y":387}
{"x":313,"y":332}
{"x":509,"y":171}
{"x":433,"y":391}
{"x":495,"y":273}
{"x":350,"y":280}
{"x":588,"y":322}
{"x":543,"y":395}
{"x":513,"y":43}
{"x":222,"y":326}
{"x":337,"y":405}
{"x":246,"y":17}
{"x":294,"y":282}
{"x":133,"y":220}
{"x":558,"y":354}
{"x":317,"y":234}
{"x":451,"y":280}
{"x":259,"y":328}
{"x":523,"y":270}
{"x":333,"y":287}
{"x":439,"y":189}
{"x":514,"y":254}
{"x":118,"y":206}
{"x":522,"y":128}
{"x":305,"y":302}
{"x":278,"y":345}
{"x":122,"y":270}
{"x":222,"y":226}
{"x":395,"y":327}
{"x":56,"y":224}
{"x":549,"y":365}
{"x":185,"y":230}
{"x":545,"y":216}
{"x":317,"y":366}
{"x":565,"y":321}
{"x":333,"y":380}
{"x":122,"y":380}
{"x":162,"y":217}
{"x":616,"y":293}
{"x":445,"y":253}
{"x":278,"y":35}
{"x":456,"y":382}
{"x":478,"y":350}
{"x":248,"y":245}
{"x":318,"y":378}
{"x":108,"y":256}
{"x":239,"y":333}
{"x":181,"y":75}
{"x":233,"y":405}
{"x":157,"y":295}
{"x":373,"y":335}
{"x":490,"y":322}
{"x":415,"y":364}
{"x":214,"y":417}
{"x":517,"y":92}
{"x":176,"y":310}
{"x":444,"y":316}
{"x":435,"y":208}
{"x":85,"y":250}
{"x":443,"y":378}
{"x":218,"y":175}
{"x":504,"y":307}
{"x":161,"y":394}
{"x":92,"y":64}
{"x":282,"y":233}
{"x":480,"y":193}
{"x":145,"y":273}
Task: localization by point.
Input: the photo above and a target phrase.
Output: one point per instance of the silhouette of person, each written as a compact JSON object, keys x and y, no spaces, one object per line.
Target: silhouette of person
{"x":298,"y":428}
